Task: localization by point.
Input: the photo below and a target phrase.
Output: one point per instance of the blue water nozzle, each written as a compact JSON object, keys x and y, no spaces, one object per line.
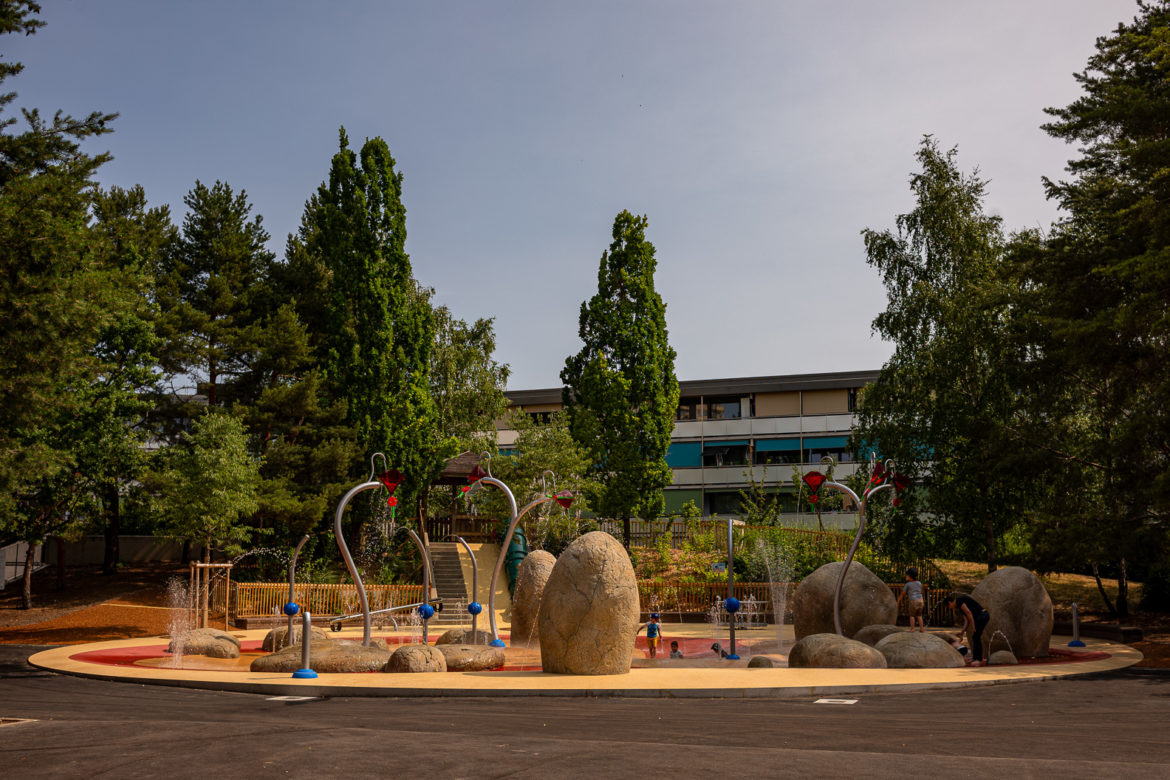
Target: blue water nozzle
{"x":475,"y":608}
{"x":731,"y":605}
{"x":291,"y":608}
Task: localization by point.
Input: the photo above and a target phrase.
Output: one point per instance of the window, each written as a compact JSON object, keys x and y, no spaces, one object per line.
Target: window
{"x":688,"y":409}
{"x":839,"y":455}
{"x":726,"y":455}
{"x":725,"y":408}
{"x":852,"y":399}
{"x":723,"y":503}
{"x":540,"y":418}
{"x":774,"y":457}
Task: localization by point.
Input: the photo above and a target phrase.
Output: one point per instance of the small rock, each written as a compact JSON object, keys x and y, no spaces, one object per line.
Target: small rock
{"x":275,"y":639}
{"x":760,"y":662}
{"x":916,"y":650}
{"x":1003,"y":657}
{"x":831,"y":651}
{"x":871,"y":635}
{"x":464,"y":636}
{"x":471,"y":658}
{"x":417,"y":658}
{"x":207,"y":641}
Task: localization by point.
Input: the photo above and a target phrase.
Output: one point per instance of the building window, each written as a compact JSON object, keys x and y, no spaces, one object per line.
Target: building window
{"x":815,"y":454}
{"x":540,"y":418}
{"x":723,"y":503}
{"x":852,"y":397}
{"x":725,"y":409}
{"x":688,"y":409}
{"x":728,"y":455}
{"x":776,"y":458}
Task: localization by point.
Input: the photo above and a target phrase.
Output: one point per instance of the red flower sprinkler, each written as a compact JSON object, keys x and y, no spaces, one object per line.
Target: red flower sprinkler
{"x":814,"y":480}
{"x":391,"y":479}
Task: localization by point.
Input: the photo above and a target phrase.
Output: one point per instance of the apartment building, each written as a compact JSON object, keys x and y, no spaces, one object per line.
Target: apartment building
{"x":728,"y":432}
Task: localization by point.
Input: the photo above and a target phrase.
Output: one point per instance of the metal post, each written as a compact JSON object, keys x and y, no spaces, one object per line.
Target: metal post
{"x":425,"y":609}
{"x":732,"y":603}
{"x":349,"y":564}
{"x":306,"y":671}
{"x":474,"y":607}
{"x":292,"y":578}
{"x":1076,"y":621}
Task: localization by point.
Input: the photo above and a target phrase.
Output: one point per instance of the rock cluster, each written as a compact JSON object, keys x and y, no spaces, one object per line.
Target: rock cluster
{"x":210,"y":642}
{"x":917,"y":650}
{"x":463,"y":636}
{"x":865,"y":601}
{"x":832,"y":651}
{"x":531,"y":578}
{"x":589,"y":613}
{"x":326,"y":657}
{"x":1020,"y":607}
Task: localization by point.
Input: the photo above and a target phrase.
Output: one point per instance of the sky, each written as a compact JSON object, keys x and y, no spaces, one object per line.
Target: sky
{"x":759,"y":139}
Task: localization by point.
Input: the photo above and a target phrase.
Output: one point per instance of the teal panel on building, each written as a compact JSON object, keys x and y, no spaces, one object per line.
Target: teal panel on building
{"x":777,"y":445}
{"x":826,"y":442}
{"x":722,"y":443}
{"x":685,"y":455}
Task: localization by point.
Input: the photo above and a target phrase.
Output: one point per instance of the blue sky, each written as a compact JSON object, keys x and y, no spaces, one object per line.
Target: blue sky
{"x":759,"y":138}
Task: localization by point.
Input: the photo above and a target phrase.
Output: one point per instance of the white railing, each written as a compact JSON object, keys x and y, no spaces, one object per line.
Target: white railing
{"x":12,"y":560}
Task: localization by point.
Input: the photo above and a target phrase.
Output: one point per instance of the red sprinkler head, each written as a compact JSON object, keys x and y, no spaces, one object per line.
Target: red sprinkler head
{"x":565,"y":498}
{"x":900,"y":483}
{"x":879,"y":473}
{"x":391,"y":479}
{"x":814,"y":480}
{"x":476,"y":474}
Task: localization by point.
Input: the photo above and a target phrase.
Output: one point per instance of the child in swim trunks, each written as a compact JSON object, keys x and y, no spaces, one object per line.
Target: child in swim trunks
{"x":653,"y":633}
{"x":917,"y":599}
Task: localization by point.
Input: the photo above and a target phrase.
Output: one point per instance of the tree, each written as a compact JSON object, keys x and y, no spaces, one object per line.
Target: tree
{"x":1094,"y":305}
{"x":621,"y":393}
{"x":207,"y":483}
{"x":56,"y":296}
{"x":376,"y":333}
{"x":212,"y":292}
{"x":109,"y":430}
{"x":939,"y":403}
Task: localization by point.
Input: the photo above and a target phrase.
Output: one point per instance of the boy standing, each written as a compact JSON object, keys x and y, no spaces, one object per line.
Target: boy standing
{"x":917,"y":604}
{"x":653,"y":632}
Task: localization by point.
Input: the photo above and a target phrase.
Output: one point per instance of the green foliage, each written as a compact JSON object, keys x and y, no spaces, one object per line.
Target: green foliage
{"x":207,"y":484}
{"x":1092,"y":303}
{"x":621,"y":393}
{"x":940,"y":403}
{"x":376,"y":333}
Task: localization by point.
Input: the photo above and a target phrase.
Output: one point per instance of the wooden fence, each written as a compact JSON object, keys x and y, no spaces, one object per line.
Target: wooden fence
{"x":258,"y":599}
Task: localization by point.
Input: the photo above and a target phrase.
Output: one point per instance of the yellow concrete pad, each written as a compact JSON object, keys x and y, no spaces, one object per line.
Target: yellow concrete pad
{"x":735,"y":682}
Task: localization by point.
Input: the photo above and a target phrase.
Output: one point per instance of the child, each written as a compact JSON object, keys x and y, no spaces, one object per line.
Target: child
{"x":674,"y":651}
{"x":957,"y":643}
{"x":653,"y":631}
{"x":913,"y":590}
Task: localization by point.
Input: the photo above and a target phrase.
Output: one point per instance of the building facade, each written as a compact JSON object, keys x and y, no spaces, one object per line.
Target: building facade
{"x":731,"y":432}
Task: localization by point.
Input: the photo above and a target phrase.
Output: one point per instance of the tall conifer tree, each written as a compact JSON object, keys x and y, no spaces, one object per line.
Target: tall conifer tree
{"x":621,"y":393}
{"x":375,"y":334}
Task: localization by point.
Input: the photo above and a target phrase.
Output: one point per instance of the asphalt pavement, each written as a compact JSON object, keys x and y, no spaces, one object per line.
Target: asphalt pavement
{"x":1110,"y":725}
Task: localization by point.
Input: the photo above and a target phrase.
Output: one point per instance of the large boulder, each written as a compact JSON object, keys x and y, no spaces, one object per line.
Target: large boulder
{"x":589,"y":613}
{"x":832,"y":651}
{"x":530,"y":581}
{"x":417,"y":658}
{"x":464,"y":636}
{"x":471,"y":658}
{"x":871,"y":635}
{"x":917,"y":650}
{"x":210,"y":642}
{"x":327,"y":657}
{"x":865,"y":601}
{"x":1020,"y":607}
{"x":276,"y":639}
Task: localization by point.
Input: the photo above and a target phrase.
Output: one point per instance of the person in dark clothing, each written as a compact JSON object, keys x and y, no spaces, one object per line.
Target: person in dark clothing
{"x":975,"y":619}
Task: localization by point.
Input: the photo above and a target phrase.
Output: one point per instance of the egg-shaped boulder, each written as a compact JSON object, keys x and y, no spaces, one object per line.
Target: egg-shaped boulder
{"x":589,"y":613}
{"x":865,"y":601}
{"x":531,"y":578}
{"x":918,"y":650}
{"x":833,"y":651}
{"x":1020,"y":607}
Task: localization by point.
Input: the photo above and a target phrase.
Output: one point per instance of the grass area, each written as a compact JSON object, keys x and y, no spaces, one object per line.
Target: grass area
{"x":1063,"y":588}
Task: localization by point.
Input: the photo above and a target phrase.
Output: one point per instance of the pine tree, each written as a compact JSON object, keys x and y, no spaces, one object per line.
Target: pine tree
{"x":375,"y":333}
{"x":621,"y":393}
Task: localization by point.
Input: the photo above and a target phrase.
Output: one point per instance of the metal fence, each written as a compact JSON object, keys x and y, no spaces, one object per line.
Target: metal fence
{"x":647,"y":533}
